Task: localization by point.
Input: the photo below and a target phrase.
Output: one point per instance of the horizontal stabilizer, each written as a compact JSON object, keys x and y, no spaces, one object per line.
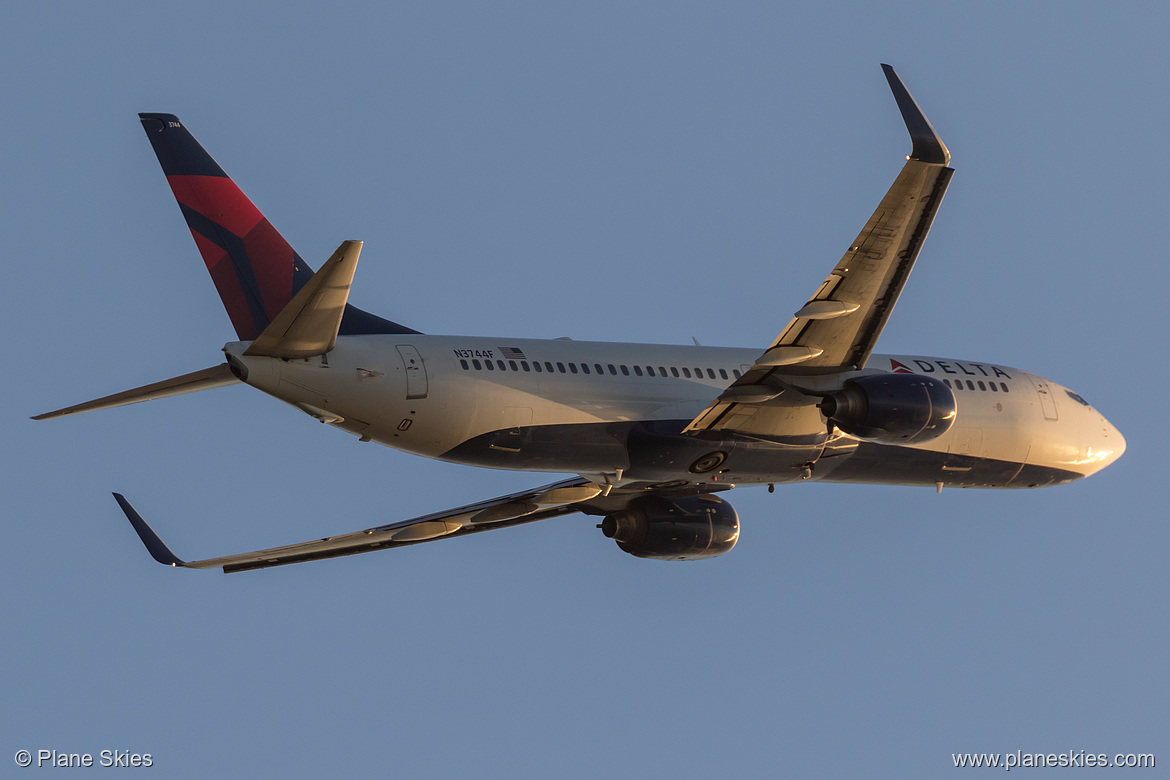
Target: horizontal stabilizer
{"x":308,"y":325}
{"x":216,"y":376}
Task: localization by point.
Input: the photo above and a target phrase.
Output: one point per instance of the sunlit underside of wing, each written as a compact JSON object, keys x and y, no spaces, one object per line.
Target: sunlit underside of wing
{"x":837,"y":328}
{"x":840,"y":324}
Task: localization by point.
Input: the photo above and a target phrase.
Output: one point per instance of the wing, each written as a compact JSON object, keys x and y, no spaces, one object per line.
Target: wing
{"x":839,"y":325}
{"x":558,"y":498}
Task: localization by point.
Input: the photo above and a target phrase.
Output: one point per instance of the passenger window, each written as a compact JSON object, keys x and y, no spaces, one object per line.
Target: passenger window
{"x":981,"y":387}
{"x":561,"y":367}
{"x":994,"y":389}
{"x":1003,"y":386}
{"x":970,"y":385}
{"x":573,"y":367}
{"x":612,"y":370}
{"x":650,"y":370}
{"x":512,"y":365}
{"x":548,"y":367}
{"x":662,"y":371}
{"x":598,"y":367}
{"x":488,"y":365}
{"x":711,"y":373}
{"x":686,"y":372}
{"x":464,"y":364}
{"x":524,"y":364}
{"x":723,"y":373}
{"x":536,"y":365}
{"x":476,"y":364}
{"x":947,"y":382}
{"x":625,"y":371}
{"x":736,"y":372}
{"x":637,"y":370}
{"x":585,"y":368}
{"x":500,"y":363}
{"x":674,"y":372}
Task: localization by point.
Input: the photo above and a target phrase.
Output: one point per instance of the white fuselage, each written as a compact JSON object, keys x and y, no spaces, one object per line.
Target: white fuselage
{"x":617,"y":409}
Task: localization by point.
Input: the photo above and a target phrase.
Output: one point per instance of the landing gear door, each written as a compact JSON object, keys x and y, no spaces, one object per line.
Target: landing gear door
{"x":416,"y":372}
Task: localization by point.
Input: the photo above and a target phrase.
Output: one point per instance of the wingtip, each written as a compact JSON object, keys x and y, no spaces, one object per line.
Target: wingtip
{"x":928,"y":147}
{"x":159,"y":551}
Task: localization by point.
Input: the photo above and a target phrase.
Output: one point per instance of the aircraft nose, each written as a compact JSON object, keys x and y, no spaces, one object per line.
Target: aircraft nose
{"x":1110,"y":447}
{"x":1117,"y":439}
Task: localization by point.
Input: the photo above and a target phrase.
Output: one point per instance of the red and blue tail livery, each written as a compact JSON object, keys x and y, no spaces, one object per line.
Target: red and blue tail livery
{"x":254,"y":269}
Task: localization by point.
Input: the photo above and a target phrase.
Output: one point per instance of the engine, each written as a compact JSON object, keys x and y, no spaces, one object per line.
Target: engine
{"x":674,"y":529}
{"x":892,"y":408}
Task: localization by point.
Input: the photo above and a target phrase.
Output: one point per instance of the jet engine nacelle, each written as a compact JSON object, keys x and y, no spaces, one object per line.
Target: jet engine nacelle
{"x":674,"y":529}
{"x":892,"y":408}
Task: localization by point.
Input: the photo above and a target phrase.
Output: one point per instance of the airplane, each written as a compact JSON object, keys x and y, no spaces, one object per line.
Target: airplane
{"x":655,"y":434}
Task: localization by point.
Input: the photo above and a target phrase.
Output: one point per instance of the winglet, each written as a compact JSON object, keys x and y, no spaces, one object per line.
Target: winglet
{"x":928,"y":147}
{"x":159,"y":551}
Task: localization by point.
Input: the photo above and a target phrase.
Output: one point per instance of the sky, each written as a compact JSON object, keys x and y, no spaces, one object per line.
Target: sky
{"x":622,"y":171}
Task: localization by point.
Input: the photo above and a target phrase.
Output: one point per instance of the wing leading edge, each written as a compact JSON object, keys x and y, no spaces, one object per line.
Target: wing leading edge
{"x":838,"y":327}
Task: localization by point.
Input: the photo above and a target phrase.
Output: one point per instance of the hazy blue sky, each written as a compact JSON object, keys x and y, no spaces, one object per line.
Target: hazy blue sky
{"x":611,"y":171}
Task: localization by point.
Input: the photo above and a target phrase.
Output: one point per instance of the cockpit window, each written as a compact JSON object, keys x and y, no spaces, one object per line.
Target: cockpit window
{"x":1077,"y":398}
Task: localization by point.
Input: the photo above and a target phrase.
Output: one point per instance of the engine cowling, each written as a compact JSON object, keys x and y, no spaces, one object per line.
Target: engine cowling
{"x":892,"y":408}
{"x":674,"y":529}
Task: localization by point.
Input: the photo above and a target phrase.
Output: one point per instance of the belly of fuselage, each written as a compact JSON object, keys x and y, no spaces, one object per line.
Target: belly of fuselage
{"x":646,"y":450}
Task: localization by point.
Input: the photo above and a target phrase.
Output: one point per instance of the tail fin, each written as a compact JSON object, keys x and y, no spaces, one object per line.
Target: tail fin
{"x":254,"y":269}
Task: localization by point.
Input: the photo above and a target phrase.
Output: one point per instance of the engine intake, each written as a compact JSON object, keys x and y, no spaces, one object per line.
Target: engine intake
{"x":892,"y":408}
{"x":674,"y":529}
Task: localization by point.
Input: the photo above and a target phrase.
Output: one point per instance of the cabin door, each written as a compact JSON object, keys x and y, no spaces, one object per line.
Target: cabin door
{"x":416,"y":372}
